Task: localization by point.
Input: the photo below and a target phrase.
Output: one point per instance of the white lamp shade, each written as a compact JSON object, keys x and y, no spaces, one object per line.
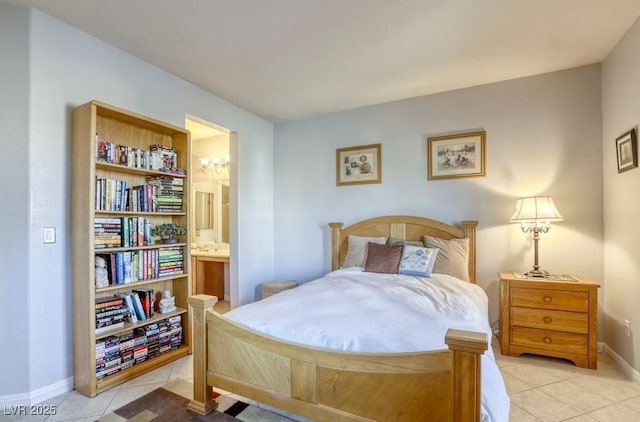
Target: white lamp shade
{"x":535,"y":208}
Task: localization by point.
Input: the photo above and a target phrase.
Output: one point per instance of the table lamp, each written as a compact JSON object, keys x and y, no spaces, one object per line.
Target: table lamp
{"x":535,"y":213}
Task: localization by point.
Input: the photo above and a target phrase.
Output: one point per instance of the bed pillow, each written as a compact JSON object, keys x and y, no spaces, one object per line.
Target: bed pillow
{"x":383,"y":258}
{"x":397,"y":241}
{"x":452,"y":258}
{"x":417,"y":260}
{"x":357,"y":249}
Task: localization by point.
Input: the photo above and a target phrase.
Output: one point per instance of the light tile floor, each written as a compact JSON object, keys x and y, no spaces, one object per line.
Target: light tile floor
{"x":541,"y":389}
{"x":548,"y":389}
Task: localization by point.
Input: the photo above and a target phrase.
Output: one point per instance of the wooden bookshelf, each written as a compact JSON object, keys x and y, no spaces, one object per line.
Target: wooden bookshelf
{"x":136,"y":131}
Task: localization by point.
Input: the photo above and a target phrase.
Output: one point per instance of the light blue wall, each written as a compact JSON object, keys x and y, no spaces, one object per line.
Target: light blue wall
{"x":621,"y":113}
{"x":14,"y":207}
{"x":55,"y":69}
{"x":543,"y":137}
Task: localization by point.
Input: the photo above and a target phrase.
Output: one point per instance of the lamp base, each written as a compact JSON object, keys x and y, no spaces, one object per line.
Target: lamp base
{"x":537,"y":274}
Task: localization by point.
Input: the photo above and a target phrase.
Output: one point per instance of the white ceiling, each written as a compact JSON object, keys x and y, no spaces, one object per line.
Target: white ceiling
{"x":289,"y":59}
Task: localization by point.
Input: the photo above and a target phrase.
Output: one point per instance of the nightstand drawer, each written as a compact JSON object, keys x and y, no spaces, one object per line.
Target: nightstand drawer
{"x":550,"y":299}
{"x":549,"y":340}
{"x":572,"y":322}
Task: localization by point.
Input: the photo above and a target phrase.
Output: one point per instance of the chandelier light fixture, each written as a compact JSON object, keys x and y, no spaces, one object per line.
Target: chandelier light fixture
{"x":217,"y":164}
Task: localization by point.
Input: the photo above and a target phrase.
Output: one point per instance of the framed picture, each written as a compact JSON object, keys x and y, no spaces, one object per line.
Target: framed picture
{"x":453,"y":156}
{"x":627,"y":151}
{"x":358,"y":165}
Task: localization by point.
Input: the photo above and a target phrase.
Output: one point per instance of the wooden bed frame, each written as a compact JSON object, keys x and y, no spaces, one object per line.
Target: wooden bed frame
{"x":323,"y":384}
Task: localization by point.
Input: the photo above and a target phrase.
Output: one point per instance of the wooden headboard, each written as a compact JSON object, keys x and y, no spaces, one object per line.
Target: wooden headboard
{"x":402,"y":227}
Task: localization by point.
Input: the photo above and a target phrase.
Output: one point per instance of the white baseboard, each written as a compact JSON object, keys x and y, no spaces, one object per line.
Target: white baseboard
{"x":227,"y":298}
{"x":39,"y":395}
{"x":626,"y":369}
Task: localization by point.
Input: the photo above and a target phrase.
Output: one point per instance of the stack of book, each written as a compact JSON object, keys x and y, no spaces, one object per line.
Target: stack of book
{"x":126,"y":350}
{"x":168,"y":157}
{"x":139,"y":346}
{"x":164,"y":336}
{"x":152,"y":332}
{"x":175,"y":326}
{"x":116,"y":353}
{"x":170,"y":261}
{"x":110,"y":313}
{"x":169,"y":193}
{"x":109,"y":152}
{"x":107,"y":232}
{"x":108,"y":360}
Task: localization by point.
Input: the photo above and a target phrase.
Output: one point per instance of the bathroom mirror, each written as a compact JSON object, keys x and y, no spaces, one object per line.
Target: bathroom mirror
{"x":204,"y":210}
{"x":224,"y":211}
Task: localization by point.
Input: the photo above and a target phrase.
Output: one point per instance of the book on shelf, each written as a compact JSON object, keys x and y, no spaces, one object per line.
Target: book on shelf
{"x":110,"y":314}
{"x":128,"y":299}
{"x":147,"y":299}
{"x":106,"y":328}
{"x":137,"y":304}
{"x":106,"y":302}
{"x":167,"y":155}
{"x":101,"y":149}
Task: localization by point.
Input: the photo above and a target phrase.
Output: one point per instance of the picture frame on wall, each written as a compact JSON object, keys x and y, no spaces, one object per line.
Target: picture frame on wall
{"x":457,"y":156}
{"x":358,"y":165}
{"x":627,"y":151}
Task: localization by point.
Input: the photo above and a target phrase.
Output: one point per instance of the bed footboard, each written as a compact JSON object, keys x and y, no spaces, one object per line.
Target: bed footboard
{"x":329,"y":385}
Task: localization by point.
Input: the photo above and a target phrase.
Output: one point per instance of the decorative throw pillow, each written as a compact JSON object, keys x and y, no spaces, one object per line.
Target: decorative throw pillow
{"x":396,"y":241}
{"x":357,"y":249}
{"x":417,"y":260}
{"x":383,"y":258}
{"x":453,"y":257}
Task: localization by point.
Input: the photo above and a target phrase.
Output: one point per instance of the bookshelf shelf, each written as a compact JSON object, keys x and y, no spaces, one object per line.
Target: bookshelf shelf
{"x":128,"y":326}
{"x":144,"y":146}
{"x":144,"y":367}
{"x":139,"y":213}
{"x":129,"y":286}
{"x":139,"y":248}
{"x":134,"y":170}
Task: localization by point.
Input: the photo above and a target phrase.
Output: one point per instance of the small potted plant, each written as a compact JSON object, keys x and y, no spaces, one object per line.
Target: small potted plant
{"x":168,"y":232}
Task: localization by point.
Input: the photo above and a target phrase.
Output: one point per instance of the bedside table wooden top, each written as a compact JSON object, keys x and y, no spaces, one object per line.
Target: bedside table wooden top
{"x":577,"y":280}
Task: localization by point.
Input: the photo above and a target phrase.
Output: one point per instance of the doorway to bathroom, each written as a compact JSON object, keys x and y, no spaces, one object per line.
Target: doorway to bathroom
{"x":209,"y":227}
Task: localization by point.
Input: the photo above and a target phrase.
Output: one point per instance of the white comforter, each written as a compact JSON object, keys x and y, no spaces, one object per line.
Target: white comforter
{"x":352,"y":310}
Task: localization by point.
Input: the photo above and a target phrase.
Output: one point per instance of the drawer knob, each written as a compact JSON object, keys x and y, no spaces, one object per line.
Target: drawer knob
{"x":547,"y":299}
{"x":547,"y":320}
{"x":547,"y":340}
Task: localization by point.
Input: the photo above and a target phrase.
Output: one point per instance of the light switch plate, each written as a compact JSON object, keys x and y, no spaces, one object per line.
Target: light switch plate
{"x":48,"y":235}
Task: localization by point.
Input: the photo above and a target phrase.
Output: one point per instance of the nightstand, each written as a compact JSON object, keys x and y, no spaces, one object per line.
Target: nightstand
{"x":551,"y":317}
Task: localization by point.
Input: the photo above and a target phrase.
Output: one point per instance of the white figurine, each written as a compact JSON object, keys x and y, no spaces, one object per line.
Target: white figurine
{"x":167,"y":303}
{"x":102,"y":276}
